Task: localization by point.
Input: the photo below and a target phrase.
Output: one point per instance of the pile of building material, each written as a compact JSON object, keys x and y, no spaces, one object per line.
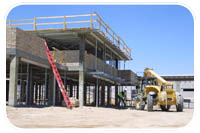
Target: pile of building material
{"x":74,"y":102}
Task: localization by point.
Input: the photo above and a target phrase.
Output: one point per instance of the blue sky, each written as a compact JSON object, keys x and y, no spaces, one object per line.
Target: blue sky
{"x":161,"y":36}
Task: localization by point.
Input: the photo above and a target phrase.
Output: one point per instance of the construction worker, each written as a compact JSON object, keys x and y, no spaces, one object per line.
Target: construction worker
{"x":122,"y":97}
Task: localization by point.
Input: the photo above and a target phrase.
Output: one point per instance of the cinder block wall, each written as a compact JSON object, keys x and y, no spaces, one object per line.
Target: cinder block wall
{"x":10,"y":37}
{"x":70,"y":56}
{"x":26,"y":42}
{"x":128,"y":75}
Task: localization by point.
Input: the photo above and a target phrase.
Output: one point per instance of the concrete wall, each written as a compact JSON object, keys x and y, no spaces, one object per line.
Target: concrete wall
{"x":10,"y":37}
{"x":26,"y":42}
{"x":127,"y":75}
{"x":71,"y":57}
{"x":179,"y":86}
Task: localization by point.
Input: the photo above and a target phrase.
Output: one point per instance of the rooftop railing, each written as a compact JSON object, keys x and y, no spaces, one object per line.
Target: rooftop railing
{"x":94,"y":21}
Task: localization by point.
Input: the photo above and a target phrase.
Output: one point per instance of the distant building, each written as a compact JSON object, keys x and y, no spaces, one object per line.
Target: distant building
{"x":183,"y":84}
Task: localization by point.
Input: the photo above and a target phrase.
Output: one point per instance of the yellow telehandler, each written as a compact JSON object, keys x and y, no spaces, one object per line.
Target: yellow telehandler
{"x":154,"y":90}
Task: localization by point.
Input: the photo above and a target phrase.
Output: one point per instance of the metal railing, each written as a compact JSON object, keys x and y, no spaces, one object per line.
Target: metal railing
{"x":95,"y":22}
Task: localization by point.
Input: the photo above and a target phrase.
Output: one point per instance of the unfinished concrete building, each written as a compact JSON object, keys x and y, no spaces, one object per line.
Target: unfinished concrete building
{"x":87,"y":53}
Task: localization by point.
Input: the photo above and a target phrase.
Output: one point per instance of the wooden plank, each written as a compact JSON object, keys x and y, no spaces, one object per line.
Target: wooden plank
{"x":22,"y":24}
{"x":50,"y":23}
{"x":73,"y":22}
{"x":21,"y":20}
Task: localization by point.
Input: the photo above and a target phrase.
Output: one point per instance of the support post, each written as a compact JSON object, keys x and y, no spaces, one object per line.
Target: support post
{"x":36,"y":93}
{"x":30,"y":86}
{"x":94,"y":94}
{"x":77,"y":92}
{"x":50,"y":88}
{"x":89,"y":95}
{"x":45,"y":87}
{"x":20,"y":92}
{"x":96,"y":50}
{"x":54,"y":91}
{"x":85,"y":94}
{"x":65,"y":80}
{"x":12,"y":101}
{"x":103,"y":94}
{"x":71,"y":90}
{"x":108,"y":95}
{"x":116,"y":95}
{"x":81,"y":70}
{"x":97,"y":88}
{"x":27,"y":84}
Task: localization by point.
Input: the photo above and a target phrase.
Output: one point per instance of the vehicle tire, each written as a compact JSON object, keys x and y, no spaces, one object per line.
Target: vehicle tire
{"x":163,"y":108}
{"x":179,"y":105}
{"x":149,"y":103}
{"x":139,"y":103}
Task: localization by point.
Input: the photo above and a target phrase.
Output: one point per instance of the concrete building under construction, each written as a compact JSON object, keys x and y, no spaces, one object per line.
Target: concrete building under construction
{"x":87,"y":53}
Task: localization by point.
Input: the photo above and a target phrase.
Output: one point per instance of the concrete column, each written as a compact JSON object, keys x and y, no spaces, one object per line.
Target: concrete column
{"x":108,"y":95}
{"x":85,"y":94}
{"x":81,"y":70}
{"x":97,"y":90}
{"x":77,"y":92}
{"x":27,"y":84}
{"x":94,"y":94}
{"x":116,"y":93}
{"x":81,"y":88}
{"x":103,"y":95}
{"x":14,"y":65}
{"x":20,"y":92}
{"x":30,"y":86}
{"x":36,"y":93}
{"x":50,"y":88}
{"x":71,"y":90}
{"x":23,"y":91}
{"x":89,"y":95}
{"x":96,"y":54}
{"x":45,"y":87}
{"x":54,"y":91}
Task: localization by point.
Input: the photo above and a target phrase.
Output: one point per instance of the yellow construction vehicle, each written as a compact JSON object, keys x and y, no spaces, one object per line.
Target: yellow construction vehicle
{"x":154,"y":90}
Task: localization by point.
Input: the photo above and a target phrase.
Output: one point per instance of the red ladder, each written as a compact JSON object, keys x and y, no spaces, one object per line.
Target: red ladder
{"x":58,"y":78}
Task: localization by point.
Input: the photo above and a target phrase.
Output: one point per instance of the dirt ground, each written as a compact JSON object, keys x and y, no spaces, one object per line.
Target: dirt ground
{"x":92,"y":117}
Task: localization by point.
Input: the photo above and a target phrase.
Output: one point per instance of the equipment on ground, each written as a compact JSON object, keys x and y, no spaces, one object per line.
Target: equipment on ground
{"x":58,"y":78}
{"x":154,"y":90}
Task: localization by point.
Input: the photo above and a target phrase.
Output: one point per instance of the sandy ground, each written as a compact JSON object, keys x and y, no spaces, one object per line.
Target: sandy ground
{"x":92,"y":117}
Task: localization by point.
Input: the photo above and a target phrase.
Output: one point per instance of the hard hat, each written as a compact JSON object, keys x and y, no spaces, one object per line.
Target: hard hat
{"x":125,"y":89}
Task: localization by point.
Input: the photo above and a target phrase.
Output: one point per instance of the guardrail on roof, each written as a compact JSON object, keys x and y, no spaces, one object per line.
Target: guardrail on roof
{"x":95,"y":22}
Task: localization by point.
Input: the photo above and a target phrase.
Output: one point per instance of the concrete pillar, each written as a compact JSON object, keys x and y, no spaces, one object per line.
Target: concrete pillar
{"x":81,"y":70}
{"x":96,"y":91}
{"x":77,"y":92}
{"x":98,"y":96}
{"x":108,"y":95}
{"x":27,"y":84}
{"x":36,"y":93}
{"x":81,"y":88}
{"x":103,"y":95}
{"x":89,"y":95}
{"x":30,"y":87}
{"x":50,"y":88}
{"x":85,"y":94}
{"x":94,"y":94}
{"x":116,"y":93}
{"x":54,"y":91}
{"x":23,"y":91}
{"x":20,"y":92}
{"x":45,"y":86}
{"x":14,"y":65}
